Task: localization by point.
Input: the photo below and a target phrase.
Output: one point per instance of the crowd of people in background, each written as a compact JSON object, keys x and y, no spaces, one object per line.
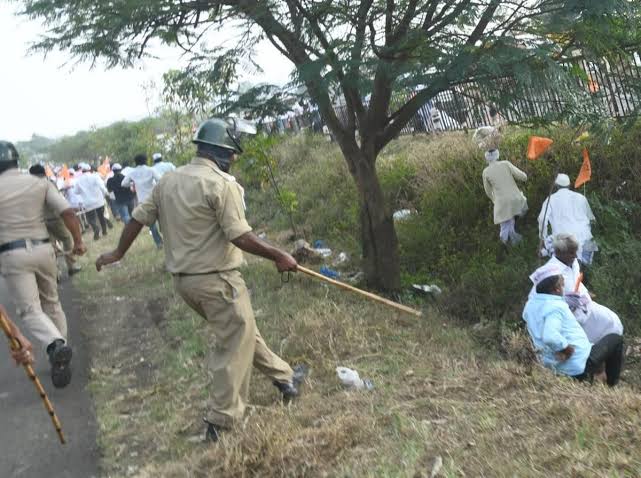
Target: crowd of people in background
{"x":103,"y":193}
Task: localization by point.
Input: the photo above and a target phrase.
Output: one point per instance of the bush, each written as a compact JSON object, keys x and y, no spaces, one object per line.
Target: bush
{"x":451,"y":240}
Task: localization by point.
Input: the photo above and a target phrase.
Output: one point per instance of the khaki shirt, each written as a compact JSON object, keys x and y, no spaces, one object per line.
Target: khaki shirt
{"x":201,"y":210}
{"x":25,"y":200}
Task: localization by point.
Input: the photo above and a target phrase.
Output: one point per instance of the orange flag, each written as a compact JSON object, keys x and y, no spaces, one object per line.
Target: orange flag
{"x":104,"y":169}
{"x":537,"y":146}
{"x":64,"y":172}
{"x":586,"y":170}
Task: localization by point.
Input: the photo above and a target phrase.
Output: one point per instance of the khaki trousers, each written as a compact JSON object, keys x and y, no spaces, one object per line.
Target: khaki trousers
{"x":59,"y":232}
{"x":223,"y":300}
{"x":31,"y":277}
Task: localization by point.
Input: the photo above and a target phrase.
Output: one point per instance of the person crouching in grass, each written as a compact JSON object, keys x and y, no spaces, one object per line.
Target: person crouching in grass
{"x":560,"y":341}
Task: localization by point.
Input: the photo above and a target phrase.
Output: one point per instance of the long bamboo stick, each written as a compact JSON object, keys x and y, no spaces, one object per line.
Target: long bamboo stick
{"x":369,"y":295}
{"x":15,"y":345}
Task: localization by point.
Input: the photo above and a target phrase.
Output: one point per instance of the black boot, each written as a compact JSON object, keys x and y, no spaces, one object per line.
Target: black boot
{"x":291,"y":390}
{"x":212,"y":433}
{"x":60,"y":358}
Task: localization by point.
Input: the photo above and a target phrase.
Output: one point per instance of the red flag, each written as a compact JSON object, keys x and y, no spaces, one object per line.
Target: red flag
{"x":586,"y":170}
{"x":537,"y":145}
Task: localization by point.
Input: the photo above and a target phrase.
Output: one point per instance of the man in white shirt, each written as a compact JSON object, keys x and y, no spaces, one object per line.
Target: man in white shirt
{"x":568,"y":212}
{"x":162,"y":167}
{"x":91,"y":192}
{"x":596,"y":319}
{"x":144,"y":179}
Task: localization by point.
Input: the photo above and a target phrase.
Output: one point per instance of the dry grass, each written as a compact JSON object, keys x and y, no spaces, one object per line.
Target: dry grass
{"x":437,"y":393}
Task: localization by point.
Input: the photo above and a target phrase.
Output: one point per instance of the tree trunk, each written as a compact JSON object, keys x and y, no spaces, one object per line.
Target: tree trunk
{"x":379,"y":241}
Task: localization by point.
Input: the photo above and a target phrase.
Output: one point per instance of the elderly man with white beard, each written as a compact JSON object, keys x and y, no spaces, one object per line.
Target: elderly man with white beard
{"x":597,"y":320}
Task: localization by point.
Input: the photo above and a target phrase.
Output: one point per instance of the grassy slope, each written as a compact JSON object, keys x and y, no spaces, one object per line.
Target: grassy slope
{"x":438,"y":392}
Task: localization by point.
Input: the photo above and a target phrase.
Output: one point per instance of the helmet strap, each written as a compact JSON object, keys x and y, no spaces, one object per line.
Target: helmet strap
{"x":206,"y":151}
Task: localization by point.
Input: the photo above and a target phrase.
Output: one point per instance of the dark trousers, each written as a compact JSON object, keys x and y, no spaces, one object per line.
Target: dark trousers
{"x":97,"y":215}
{"x":606,"y":352}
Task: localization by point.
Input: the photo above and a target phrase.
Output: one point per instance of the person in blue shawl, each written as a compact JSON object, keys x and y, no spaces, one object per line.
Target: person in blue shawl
{"x":560,"y":341}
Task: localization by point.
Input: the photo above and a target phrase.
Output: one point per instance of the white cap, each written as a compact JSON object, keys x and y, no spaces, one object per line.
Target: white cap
{"x":84,"y":166}
{"x":116,"y":166}
{"x":562,"y":180}
{"x":492,"y":155}
{"x":545,"y":272}
{"x":156,"y":157}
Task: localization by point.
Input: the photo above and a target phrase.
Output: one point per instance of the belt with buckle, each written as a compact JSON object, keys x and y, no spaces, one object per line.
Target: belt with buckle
{"x":190,"y":274}
{"x":21,"y":244}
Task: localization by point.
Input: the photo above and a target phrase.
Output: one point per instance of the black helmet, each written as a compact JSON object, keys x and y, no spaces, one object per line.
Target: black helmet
{"x":8,"y":153}
{"x":223,"y":134}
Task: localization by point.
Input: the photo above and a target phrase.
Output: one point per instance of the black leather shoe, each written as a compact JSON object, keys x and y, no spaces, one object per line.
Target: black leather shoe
{"x":291,"y":390}
{"x":212,"y":433}
{"x":60,"y":360}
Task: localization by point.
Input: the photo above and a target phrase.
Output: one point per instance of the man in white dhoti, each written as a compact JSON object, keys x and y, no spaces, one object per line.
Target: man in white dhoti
{"x":596,"y":319}
{"x":567,"y":212}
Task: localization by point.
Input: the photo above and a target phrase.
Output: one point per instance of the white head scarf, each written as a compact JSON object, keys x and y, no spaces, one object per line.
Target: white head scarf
{"x":544,"y":272}
{"x":492,"y":155}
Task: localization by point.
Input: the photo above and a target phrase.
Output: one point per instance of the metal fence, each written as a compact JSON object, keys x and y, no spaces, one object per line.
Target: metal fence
{"x":611,"y":86}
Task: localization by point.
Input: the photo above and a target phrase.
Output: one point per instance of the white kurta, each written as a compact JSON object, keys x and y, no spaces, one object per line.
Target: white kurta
{"x":144,"y":179}
{"x":597,"y":320}
{"x":569,"y":212}
{"x":499,"y":181}
{"x":163,"y":167}
{"x":91,"y":191}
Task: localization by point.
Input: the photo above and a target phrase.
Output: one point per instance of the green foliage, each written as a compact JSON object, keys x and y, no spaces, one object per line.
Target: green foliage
{"x":355,"y":50}
{"x":121,"y":141}
{"x":257,"y":102}
{"x":314,"y":184}
{"x":451,"y":240}
{"x":616,"y":276}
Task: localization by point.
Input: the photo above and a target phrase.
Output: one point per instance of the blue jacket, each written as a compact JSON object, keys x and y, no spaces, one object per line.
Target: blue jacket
{"x":553,"y":327}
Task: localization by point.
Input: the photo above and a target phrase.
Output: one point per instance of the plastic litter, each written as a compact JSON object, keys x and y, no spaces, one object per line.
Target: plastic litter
{"x":352,"y":380}
{"x":331,"y":273}
{"x":262,"y":236}
{"x":428,"y":289}
{"x":402,"y":214}
{"x":321,"y":248}
{"x":355,"y":277}
{"x":341,"y":259}
{"x":323,"y":251}
{"x":304,"y":253}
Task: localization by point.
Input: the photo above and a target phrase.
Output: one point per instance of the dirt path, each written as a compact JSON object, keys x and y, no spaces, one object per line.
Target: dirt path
{"x":30,"y":447}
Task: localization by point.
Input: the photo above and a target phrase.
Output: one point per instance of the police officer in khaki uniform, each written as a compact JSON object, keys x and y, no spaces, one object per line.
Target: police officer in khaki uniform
{"x":201,"y":211}
{"x":27,"y":260}
{"x":56,"y":228}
